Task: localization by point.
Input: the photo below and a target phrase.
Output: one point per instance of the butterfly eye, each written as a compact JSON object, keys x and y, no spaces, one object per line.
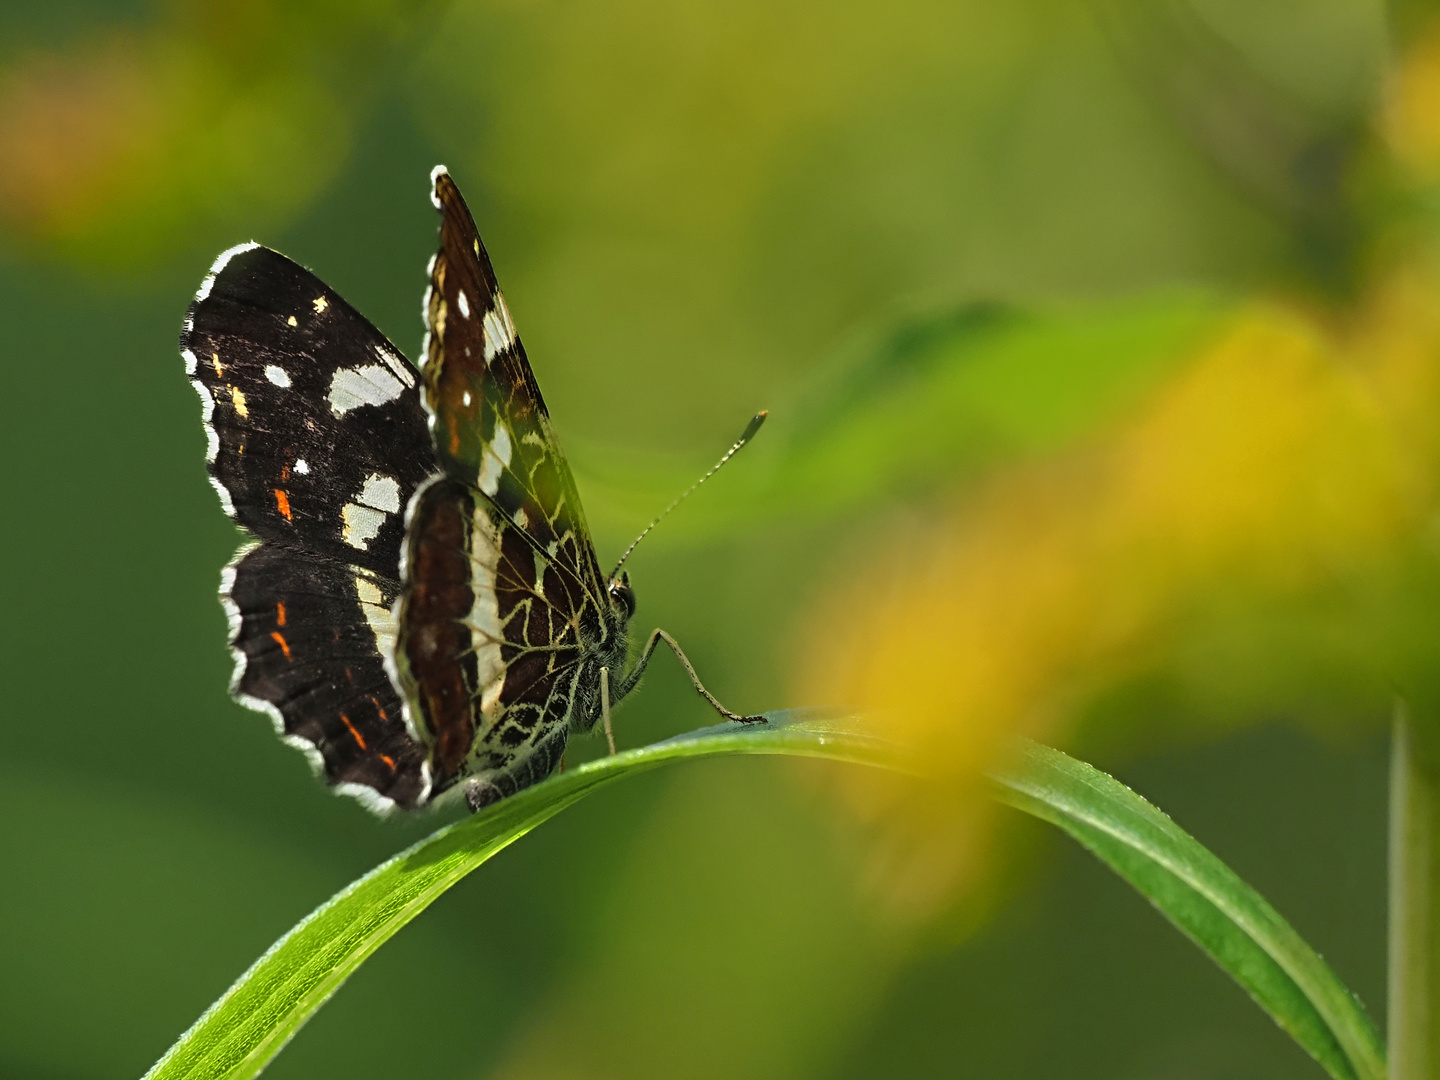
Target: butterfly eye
{"x":621,"y":593}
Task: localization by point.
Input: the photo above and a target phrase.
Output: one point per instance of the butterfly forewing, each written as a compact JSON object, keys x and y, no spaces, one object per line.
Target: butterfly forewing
{"x":490,"y":423}
{"x":317,"y":440}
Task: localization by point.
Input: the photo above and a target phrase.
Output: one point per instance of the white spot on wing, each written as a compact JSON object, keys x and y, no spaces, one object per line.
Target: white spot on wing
{"x":362,"y":519}
{"x":219,"y":264}
{"x":499,"y":330}
{"x":320,"y":304}
{"x":361,"y":525}
{"x":377,"y":614}
{"x":494,"y":459}
{"x":464,"y":304}
{"x":435,"y":174}
{"x":395,"y":364}
{"x":301,"y":466}
{"x":372,"y":384}
{"x":277,"y":375}
{"x":381,"y":492}
{"x":190,"y":362}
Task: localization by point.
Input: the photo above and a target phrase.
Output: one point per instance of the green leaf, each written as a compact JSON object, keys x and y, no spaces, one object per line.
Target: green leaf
{"x":1203,"y":897}
{"x":240,"y":1033}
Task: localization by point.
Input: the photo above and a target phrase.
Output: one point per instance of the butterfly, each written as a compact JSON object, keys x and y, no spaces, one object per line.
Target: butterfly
{"x":421,"y":609}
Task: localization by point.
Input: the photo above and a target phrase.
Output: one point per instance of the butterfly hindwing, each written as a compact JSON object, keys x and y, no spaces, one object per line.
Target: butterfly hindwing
{"x":317,"y":440}
{"x":493,"y":641}
{"x":307,"y":631}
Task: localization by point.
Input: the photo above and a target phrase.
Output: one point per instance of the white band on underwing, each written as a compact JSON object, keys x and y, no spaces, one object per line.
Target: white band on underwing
{"x":378,"y":614}
{"x":396,"y":364}
{"x":494,"y":458}
{"x":486,"y":632}
{"x":499,"y":330}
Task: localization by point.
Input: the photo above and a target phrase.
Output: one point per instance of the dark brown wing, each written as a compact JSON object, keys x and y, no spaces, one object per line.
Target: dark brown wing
{"x":309,"y":635}
{"x":317,"y":440}
{"x":489,"y":421}
{"x":491,"y":653}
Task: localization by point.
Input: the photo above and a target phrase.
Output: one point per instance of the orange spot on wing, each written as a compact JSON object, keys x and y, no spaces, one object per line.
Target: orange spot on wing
{"x":283,"y":502}
{"x":280,"y":640}
{"x":358,"y":739}
{"x":388,"y":761}
{"x":379,"y":708}
{"x":280,"y":614}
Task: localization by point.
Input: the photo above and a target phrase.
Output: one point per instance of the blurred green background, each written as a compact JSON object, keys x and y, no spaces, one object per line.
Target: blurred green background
{"x":983,"y":262}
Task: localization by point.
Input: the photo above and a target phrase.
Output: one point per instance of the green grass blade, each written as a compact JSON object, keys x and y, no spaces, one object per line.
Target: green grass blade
{"x":248,"y":1026}
{"x":244,"y":1029}
{"x":1203,"y":897}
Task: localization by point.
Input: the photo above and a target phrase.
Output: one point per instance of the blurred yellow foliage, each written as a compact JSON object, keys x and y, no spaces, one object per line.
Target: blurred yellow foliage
{"x":1411,"y":118}
{"x":1289,"y":453}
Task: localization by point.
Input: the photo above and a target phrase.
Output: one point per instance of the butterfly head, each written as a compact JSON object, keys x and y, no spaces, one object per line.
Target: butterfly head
{"x":622,"y":596}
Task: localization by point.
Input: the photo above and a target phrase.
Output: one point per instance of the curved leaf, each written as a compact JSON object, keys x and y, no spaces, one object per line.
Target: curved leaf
{"x":1203,"y":897}
{"x":256,"y":1017}
{"x":241,"y":1032}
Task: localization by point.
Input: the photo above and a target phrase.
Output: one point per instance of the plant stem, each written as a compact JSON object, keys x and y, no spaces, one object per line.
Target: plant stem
{"x":1414,"y":991}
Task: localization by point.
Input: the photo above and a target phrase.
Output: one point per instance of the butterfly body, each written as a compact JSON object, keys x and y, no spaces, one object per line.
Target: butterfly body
{"x":422,"y":610}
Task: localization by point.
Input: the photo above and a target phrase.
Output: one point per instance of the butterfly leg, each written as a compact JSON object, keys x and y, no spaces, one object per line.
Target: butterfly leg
{"x":605,"y":708}
{"x":657,"y":636}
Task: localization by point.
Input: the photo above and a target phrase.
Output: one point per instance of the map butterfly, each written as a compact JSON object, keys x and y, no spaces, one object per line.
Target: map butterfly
{"x":421,"y":609}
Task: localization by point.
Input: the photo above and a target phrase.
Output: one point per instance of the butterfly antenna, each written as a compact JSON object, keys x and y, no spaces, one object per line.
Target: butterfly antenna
{"x":748,"y":434}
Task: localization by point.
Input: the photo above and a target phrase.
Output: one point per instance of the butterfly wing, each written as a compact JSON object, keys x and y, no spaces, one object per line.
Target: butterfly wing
{"x":317,"y":441}
{"x":493,"y":638}
{"x":503,"y":622}
{"x":490,"y":424}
